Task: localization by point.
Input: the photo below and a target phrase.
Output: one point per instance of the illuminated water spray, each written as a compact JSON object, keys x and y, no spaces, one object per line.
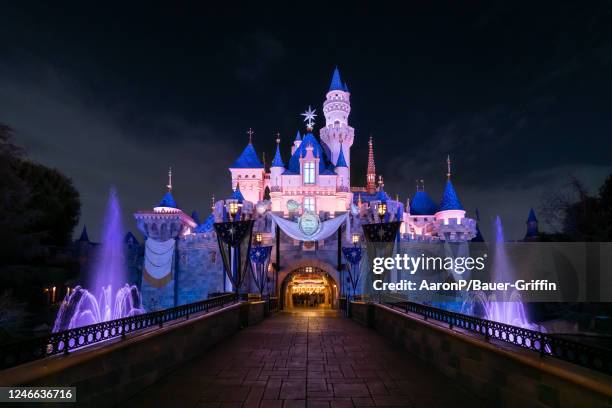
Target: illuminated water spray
{"x":81,"y":307}
{"x":508,"y":307}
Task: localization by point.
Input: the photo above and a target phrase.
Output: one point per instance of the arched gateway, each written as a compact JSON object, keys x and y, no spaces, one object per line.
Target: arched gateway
{"x":309,"y":283}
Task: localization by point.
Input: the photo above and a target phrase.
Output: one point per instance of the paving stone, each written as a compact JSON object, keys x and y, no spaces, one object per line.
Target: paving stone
{"x":311,"y":359}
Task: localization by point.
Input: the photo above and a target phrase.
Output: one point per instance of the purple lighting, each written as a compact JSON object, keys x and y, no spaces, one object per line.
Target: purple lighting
{"x":81,"y":307}
{"x":508,"y":308}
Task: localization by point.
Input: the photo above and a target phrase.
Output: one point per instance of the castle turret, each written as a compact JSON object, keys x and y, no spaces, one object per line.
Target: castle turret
{"x":276,"y":171}
{"x":249,"y":171}
{"x":451,"y":223}
{"x":450,"y":206}
{"x":277,"y":168}
{"x":161,"y":228}
{"x":336,"y":109}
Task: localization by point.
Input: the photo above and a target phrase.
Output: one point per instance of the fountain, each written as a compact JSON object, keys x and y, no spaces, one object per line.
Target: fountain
{"x":508,"y":308}
{"x":80,"y":307}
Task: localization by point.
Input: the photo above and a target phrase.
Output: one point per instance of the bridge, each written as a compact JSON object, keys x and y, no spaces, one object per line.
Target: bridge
{"x":229,"y":352}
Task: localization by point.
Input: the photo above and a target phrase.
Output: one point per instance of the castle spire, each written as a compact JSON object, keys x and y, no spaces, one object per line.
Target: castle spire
{"x":278,"y":160}
{"x":336,"y":82}
{"x":371,"y":174}
{"x":169,"y":185}
{"x":341,"y":160}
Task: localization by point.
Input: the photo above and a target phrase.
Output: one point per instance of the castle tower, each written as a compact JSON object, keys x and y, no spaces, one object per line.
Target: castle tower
{"x":162,"y":227}
{"x":276,"y":171}
{"x":249,"y":171}
{"x":371,"y":174}
{"x":336,"y":108}
{"x":450,"y":219}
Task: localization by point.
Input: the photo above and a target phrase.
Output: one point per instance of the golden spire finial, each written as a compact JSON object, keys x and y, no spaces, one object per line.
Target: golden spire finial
{"x":277,"y":137}
{"x":448,"y":166}
{"x":250,"y":133}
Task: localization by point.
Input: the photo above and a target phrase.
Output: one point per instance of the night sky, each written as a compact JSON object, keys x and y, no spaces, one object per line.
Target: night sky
{"x":518,"y":94}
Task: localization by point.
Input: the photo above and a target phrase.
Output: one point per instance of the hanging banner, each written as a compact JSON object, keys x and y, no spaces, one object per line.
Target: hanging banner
{"x":159,"y":260}
{"x":234,"y":240}
{"x":260,"y":258}
{"x":309,"y":227}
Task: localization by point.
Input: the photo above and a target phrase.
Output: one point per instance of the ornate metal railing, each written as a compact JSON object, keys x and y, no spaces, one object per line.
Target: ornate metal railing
{"x":66,"y":341}
{"x":592,"y":357}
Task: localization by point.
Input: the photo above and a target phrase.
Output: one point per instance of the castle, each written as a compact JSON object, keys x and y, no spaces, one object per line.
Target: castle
{"x":182,"y":263}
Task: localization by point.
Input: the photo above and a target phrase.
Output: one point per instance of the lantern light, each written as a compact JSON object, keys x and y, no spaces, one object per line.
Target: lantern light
{"x":233,"y":207}
{"x":382,"y":209}
{"x":258,"y":238}
{"x":355,"y":239}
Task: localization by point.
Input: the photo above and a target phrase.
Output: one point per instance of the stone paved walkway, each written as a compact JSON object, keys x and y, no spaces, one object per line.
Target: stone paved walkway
{"x":304,"y":359}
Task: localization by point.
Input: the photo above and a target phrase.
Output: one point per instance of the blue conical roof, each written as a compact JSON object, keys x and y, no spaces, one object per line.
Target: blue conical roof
{"x":237,"y":194}
{"x":168,"y":201}
{"x":336,"y":82}
{"x":207,"y":225}
{"x":382,"y":196}
{"x":298,"y":136}
{"x":422,"y":204}
{"x":248,"y":159}
{"x":450,"y":201}
{"x":341,"y":161}
{"x":278,"y":160}
{"x":84,"y":237}
{"x":130,"y":238}
{"x":478,"y":237}
{"x":346,"y":87}
{"x":532,"y":216}
{"x":317,"y":151}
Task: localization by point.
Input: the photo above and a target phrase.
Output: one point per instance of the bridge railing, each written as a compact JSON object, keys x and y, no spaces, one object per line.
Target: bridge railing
{"x":589,"y":356}
{"x":66,"y":341}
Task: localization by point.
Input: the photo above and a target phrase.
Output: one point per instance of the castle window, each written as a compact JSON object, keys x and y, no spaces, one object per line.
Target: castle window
{"x":309,"y":173}
{"x":309,"y":204}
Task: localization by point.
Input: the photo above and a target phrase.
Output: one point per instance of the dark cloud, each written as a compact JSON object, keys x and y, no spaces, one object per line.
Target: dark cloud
{"x":519,"y":98}
{"x":256,"y":54}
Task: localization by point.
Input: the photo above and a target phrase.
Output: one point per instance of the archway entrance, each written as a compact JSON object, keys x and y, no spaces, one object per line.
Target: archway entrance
{"x":309,"y":287}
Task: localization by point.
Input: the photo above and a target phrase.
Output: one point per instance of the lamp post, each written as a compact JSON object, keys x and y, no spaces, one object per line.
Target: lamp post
{"x":234,"y":239}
